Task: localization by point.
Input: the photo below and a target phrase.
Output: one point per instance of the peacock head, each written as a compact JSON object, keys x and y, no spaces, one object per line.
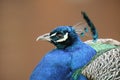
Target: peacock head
{"x":64,"y":36}
{"x":61,"y":37}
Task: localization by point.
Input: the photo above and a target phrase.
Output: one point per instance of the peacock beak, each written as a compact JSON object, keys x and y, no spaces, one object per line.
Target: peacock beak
{"x":44,"y":37}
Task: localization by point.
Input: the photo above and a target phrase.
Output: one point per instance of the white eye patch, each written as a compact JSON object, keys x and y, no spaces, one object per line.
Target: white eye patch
{"x":53,"y":34}
{"x":64,"y":38}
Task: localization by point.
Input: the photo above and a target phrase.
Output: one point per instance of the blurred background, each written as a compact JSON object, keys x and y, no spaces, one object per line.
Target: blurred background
{"x":22,"y":21}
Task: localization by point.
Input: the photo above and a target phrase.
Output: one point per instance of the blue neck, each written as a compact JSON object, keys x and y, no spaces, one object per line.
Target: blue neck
{"x":76,"y":44}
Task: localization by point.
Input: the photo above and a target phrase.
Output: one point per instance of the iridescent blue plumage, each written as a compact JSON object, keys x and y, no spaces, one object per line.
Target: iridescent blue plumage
{"x":70,"y":54}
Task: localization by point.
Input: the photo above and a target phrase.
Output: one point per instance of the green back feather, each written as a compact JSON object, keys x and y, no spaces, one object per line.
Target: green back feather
{"x":101,"y":47}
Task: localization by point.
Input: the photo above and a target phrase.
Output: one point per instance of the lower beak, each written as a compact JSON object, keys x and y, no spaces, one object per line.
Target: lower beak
{"x":44,"y":37}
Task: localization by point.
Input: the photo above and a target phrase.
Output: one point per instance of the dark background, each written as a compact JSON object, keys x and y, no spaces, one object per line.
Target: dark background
{"x":22,"y":21}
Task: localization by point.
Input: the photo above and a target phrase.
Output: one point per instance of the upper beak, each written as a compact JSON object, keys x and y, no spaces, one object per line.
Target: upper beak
{"x":44,"y":37}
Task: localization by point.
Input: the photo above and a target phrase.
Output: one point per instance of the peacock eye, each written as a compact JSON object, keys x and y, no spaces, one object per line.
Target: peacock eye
{"x":59,"y":35}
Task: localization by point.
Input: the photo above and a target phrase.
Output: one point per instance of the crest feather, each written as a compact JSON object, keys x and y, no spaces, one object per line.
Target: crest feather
{"x":87,"y":28}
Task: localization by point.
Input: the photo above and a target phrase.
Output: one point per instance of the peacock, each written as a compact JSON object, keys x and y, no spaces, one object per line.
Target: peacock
{"x":73,"y":59}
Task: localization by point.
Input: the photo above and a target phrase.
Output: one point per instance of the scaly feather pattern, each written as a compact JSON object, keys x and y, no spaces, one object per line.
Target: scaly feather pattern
{"x":105,"y":65}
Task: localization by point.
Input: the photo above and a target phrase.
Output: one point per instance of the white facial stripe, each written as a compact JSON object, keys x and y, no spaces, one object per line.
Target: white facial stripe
{"x":64,"y":38}
{"x":53,"y":34}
